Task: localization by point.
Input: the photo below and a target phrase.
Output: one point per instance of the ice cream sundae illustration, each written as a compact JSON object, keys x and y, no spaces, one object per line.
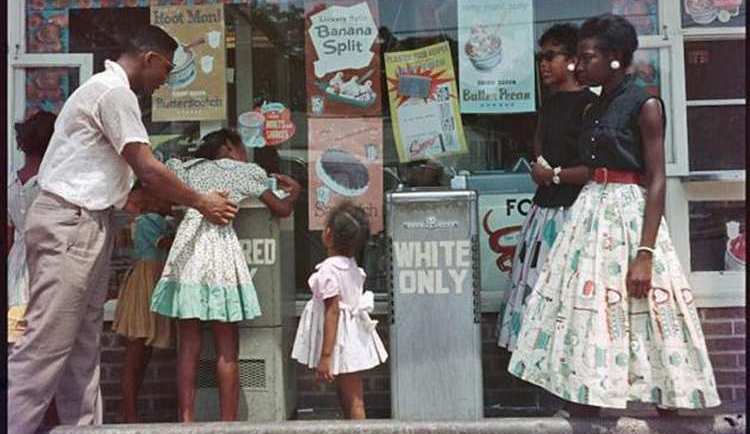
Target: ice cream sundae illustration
{"x":343,"y":173}
{"x":350,"y":90}
{"x":706,"y":11}
{"x":484,"y":47}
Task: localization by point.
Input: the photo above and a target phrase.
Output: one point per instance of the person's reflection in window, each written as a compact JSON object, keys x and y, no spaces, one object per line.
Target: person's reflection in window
{"x":423,"y":173}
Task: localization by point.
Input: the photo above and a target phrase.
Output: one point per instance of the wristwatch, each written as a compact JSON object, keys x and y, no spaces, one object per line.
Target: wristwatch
{"x":556,"y":175}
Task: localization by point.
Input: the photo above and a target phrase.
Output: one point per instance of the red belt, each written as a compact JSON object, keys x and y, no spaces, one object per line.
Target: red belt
{"x":603,"y":175}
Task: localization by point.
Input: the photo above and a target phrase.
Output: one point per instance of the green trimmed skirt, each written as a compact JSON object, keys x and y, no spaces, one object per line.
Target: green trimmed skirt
{"x":206,"y":276}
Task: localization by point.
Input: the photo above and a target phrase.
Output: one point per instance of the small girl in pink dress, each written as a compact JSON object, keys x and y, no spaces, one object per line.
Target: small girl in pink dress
{"x":336,"y":335}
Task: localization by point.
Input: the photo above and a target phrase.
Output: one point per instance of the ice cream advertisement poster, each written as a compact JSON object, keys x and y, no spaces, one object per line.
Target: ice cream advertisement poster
{"x":196,"y":88}
{"x":342,"y":58}
{"x":346,"y":162}
{"x":423,"y":100}
{"x":496,"y":56}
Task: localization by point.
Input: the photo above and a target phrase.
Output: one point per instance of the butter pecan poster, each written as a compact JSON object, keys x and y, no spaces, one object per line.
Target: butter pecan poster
{"x":342,"y":58}
{"x":196,"y":89}
{"x":346,"y":162}
{"x":424,"y":103}
{"x":496,"y":56}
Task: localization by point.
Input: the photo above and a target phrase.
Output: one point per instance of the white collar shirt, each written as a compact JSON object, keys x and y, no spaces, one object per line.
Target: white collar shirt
{"x":83,"y":164}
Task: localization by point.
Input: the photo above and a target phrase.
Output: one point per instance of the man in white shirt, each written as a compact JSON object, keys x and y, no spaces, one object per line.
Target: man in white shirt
{"x":98,"y":148}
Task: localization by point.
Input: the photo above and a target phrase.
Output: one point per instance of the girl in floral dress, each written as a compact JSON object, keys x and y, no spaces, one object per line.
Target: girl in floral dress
{"x":206,"y":278}
{"x":612,"y":317}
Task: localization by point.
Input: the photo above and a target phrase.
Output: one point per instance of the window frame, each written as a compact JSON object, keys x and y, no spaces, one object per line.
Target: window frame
{"x":711,"y":288}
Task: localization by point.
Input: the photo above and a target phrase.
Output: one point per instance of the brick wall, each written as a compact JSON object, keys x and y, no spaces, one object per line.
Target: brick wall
{"x":725,"y":332}
{"x":724,"y":329}
{"x":157,"y":401}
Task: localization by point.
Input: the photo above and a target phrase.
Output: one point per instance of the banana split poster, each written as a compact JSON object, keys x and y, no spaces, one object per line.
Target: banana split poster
{"x":342,"y":58}
{"x":496,"y":56}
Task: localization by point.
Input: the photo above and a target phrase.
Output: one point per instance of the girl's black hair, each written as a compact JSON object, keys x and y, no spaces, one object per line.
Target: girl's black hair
{"x":350,"y":228}
{"x":213,"y":141}
{"x":35,"y":132}
{"x":613,"y":34}
{"x":564,"y":34}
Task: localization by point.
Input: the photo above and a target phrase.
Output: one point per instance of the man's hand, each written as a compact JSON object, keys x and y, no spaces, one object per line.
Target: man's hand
{"x":217,"y":207}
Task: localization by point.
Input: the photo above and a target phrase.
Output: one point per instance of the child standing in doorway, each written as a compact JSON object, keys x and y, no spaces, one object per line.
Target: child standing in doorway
{"x":336,"y":335}
{"x":206,"y":278}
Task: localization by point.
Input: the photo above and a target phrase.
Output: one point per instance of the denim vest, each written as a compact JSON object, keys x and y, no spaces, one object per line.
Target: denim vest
{"x":611,"y":134}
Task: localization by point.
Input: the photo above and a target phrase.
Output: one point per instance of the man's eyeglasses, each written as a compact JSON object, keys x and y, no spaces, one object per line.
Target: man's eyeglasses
{"x":170,"y":65}
{"x":549,"y":55}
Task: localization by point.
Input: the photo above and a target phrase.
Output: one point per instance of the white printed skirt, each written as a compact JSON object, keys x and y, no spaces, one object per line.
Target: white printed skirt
{"x":538,"y":234}
{"x":584,"y":339}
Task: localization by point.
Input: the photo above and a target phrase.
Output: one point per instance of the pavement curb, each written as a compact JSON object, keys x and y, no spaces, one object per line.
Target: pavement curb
{"x":719,"y":424}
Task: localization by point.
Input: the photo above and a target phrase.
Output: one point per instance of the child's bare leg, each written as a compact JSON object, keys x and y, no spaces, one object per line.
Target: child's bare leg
{"x":137,"y":355}
{"x":226,"y":338}
{"x":345,"y":410}
{"x":188,"y":353}
{"x":351,"y":395}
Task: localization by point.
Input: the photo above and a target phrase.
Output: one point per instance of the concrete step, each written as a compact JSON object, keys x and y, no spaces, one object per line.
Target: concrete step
{"x":719,"y":424}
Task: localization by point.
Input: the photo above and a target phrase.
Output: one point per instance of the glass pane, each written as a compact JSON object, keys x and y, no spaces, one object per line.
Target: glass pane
{"x":717,"y":236}
{"x":644,"y":14}
{"x":266,"y":62}
{"x":46,"y":29}
{"x":647,"y":70}
{"x":713,"y":13}
{"x":48,"y":88}
{"x":715,"y":69}
{"x":716,"y":137}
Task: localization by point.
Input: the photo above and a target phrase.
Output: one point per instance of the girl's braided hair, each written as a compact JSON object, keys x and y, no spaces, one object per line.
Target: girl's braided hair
{"x":350,"y":228}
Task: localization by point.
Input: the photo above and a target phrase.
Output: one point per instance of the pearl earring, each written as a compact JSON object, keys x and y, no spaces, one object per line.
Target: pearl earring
{"x":615,"y":64}
{"x":571,"y":67}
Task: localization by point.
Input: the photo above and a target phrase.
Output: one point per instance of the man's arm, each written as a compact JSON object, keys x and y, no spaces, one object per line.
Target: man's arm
{"x":162,"y":183}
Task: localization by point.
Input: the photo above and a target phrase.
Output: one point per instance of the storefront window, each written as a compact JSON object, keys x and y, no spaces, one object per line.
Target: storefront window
{"x":715,"y":69}
{"x":268,"y":56}
{"x":48,"y":88}
{"x":715,"y":87}
{"x":717,"y":235}
{"x":716,"y":138}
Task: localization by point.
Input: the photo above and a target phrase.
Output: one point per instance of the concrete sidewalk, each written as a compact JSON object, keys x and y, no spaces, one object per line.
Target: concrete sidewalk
{"x":720,"y":424}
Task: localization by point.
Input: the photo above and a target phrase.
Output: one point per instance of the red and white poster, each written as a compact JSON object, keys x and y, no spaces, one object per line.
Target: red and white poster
{"x":342,"y":58}
{"x":345,"y":162}
{"x":268,"y":125}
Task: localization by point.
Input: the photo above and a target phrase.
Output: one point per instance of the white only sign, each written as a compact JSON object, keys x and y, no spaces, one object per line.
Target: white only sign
{"x":343,"y":37}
